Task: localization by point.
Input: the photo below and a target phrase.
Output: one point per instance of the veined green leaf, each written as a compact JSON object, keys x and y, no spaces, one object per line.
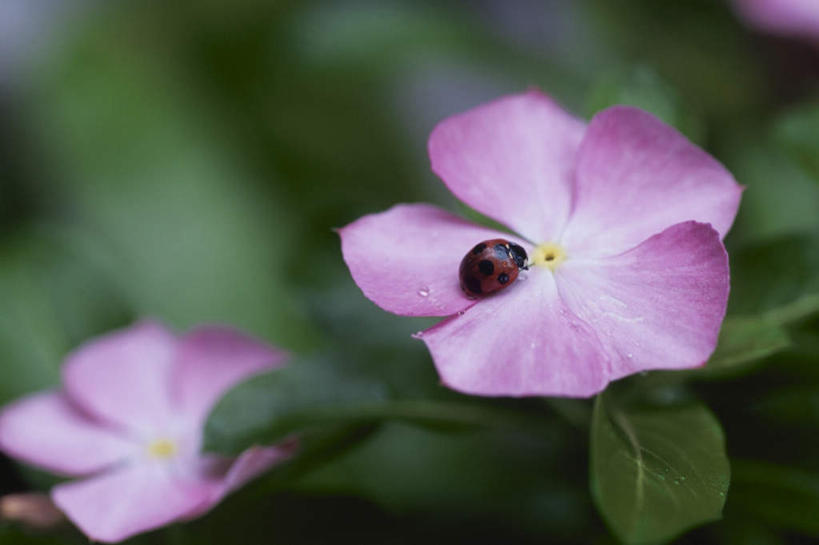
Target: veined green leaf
{"x":656,"y":471}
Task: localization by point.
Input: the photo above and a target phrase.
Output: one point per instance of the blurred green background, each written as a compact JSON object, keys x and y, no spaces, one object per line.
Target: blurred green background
{"x":188,"y":161}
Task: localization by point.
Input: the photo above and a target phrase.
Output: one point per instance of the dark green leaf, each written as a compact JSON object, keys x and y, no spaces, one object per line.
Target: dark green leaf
{"x":311,"y":395}
{"x":798,"y":132}
{"x":274,"y":405}
{"x":774,"y":284}
{"x":780,"y":199}
{"x":774,"y":273}
{"x":656,"y":472}
{"x":782,"y":496}
{"x":744,"y":340}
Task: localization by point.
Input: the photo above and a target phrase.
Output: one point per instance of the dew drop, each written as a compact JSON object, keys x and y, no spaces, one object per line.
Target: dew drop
{"x":682,"y":477}
{"x":461,"y":312}
{"x":722,"y":494}
{"x":629,"y":355}
{"x":423,"y":292}
{"x":676,"y":481}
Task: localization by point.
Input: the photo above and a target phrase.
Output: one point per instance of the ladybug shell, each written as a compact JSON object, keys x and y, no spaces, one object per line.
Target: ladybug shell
{"x":491,"y":266}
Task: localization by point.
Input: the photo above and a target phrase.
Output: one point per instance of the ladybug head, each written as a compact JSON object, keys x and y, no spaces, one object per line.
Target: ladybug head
{"x":518,"y":254}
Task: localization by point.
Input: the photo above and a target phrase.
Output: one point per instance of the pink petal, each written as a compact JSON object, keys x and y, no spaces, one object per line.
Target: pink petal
{"x":521,"y":341}
{"x":512,"y":159}
{"x":47,"y":431}
{"x":227,"y":476}
{"x":792,"y":17}
{"x":213,"y":359}
{"x":637,"y":176}
{"x":255,"y":461}
{"x":119,"y":504}
{"x":124,"y":377}
{"x":657,"y":306}
{"x":406,"y":259}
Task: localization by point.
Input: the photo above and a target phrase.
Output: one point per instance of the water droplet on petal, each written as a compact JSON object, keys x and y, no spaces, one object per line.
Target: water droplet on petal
{"x":423,"y":292}
{"x":629,"y":355}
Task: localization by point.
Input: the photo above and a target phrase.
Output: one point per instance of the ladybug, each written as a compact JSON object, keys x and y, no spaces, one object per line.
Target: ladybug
{"x":491,"y":266}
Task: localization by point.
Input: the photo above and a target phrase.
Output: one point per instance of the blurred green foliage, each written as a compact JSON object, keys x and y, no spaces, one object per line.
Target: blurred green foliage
{"x":189,"y":160}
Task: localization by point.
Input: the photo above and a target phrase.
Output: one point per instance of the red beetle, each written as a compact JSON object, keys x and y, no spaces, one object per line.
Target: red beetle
{"x":491,"y":266}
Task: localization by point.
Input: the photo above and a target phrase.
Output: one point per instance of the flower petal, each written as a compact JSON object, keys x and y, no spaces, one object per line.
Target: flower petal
{"x":637,"y":176}
{"x":46,"y":430}
{"x":124,"y":377}
{"x":521,"y":341}
{"x":406,"y":259}
{"x":512,"y":159}
{"x":213,"y":359}
{"x":228,"y":475}
{"x":790,"y":17}
{"x":657,"y":306}
{"x":121,"y":503}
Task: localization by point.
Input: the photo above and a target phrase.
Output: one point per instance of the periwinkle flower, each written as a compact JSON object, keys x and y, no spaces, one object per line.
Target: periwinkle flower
{"x":622,"y":220}
{"x":786,"y":17}
{"x":129,"y":419}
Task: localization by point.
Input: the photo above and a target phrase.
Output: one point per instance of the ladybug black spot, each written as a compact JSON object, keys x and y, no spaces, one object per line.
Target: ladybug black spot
{"x":478,"y":249}
{"x":503,"y":278}
{"x":472,"y":284}
{"x":486,"y":267}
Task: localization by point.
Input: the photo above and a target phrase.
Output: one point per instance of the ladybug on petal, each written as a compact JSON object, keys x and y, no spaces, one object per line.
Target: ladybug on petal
{"x":491,"y":266}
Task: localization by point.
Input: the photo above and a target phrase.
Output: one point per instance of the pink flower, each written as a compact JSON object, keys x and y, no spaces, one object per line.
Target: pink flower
{"x":622,"y":220}
{"x":130,"y":418}
{"x":786,"y":17}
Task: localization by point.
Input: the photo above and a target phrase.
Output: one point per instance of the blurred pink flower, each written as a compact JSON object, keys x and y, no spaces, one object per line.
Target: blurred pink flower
{"x":622,"y":220}
{"x":786,"y":17}
{"x":130,"y":418}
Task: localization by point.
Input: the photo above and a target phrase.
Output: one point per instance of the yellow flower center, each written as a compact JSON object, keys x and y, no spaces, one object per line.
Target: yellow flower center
{"x":549,"y":255}
{"x":162,"y":449}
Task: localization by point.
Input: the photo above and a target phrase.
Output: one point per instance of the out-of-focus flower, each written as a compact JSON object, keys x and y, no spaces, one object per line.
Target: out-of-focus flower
{"x":622,"y":220}
{"x":130,"y":418}
{"x":32,"y":509}
{"x":786,"y":17}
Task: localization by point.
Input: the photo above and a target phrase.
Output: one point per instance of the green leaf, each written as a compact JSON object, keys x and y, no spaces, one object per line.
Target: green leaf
{"x":310,"y":395}
{"x":781,"y":496}
{"x":775,"y":273}
{"x":797,"y":133}
{"x":270,"y":407}
{"x":780,"y":198}
{"x":746,"y":339}
{"x":656,"y":471}
{"x":765,"y":300}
